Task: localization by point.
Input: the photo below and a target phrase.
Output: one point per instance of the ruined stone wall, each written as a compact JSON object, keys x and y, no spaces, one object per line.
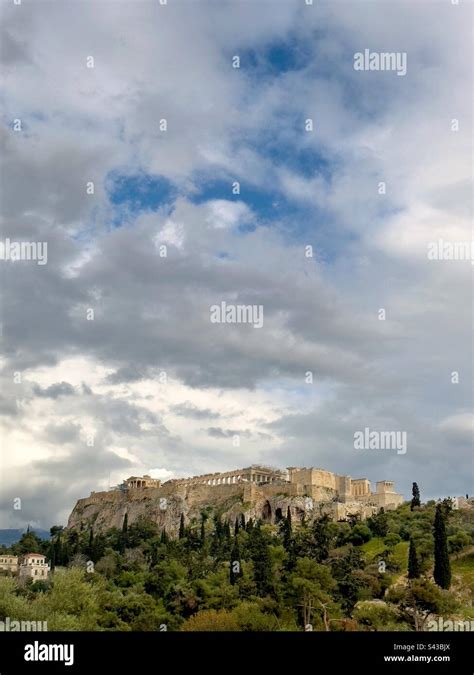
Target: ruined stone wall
{"x":290,"y":489}
{"x":344,"y":488}
{"x":314,"y":476}
{"x":325,"y":479}
{"x":386,"y":500}
{"x":319,"y":493}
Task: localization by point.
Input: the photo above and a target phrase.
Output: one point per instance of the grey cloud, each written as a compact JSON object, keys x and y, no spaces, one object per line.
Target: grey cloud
{"x":62,"y":433}
{"x":54,"y":390}
{"x":152,"y":313}
{"x":12,"y":51}
{"x":187,"y":409}
{"x":218,"y":432}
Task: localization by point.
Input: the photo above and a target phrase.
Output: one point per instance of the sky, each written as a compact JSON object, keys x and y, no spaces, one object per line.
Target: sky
{"x":166,"y":180}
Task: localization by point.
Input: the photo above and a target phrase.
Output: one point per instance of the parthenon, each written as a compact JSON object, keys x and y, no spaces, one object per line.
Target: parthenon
{"x":253,"y":474}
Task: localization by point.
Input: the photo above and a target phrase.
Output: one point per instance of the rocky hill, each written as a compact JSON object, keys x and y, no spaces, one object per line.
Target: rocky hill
{"x":164,"y":506}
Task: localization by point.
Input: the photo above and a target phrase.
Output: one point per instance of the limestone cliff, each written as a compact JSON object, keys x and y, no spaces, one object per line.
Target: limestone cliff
{"x":164,"y":505}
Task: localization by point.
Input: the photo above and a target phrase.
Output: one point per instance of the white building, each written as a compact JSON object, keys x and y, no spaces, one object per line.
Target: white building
{"x":34,"y":566}
{"x":8,"y":562}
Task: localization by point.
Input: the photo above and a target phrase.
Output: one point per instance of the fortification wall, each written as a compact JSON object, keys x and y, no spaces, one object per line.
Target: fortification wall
{"x":290,"y":489}
{"x":208,"y":494}
{"x":312,"y":476}
{"x":386,"y":500}
{"x":319,"y":493}
{"x":324,"y":479}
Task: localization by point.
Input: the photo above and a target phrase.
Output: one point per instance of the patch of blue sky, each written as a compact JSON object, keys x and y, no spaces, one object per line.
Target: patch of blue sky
{"x":131,"y":194}
{"x":265,"y":203}
{"x":297,"y":222}
{"x":276,"y":58}
{"x":305,"y":160}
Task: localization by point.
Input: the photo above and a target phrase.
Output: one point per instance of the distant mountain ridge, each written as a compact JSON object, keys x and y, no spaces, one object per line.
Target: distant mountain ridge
{"x":9,"y":537}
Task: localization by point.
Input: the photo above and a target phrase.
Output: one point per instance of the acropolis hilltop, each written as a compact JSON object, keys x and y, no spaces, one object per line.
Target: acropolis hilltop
{"x":257,"y":492}
{"x":294,"y":481}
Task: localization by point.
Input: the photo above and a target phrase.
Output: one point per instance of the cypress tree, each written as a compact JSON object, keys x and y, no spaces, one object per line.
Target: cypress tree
{"x":123,"y":538}
{"x":442,"y":566}
{"x":287,"y":530}
{"x":415,"y":496}
{"x":236,"y":527}
{"x":226,"y":529}
{"x":164,"y":537}
{"x":182,"y":530}
{"x":321,"y":538}
{"x":203,"y":529}
{"x":262,"y":564}
{"x":413,"y":562}
{"x":218,"y":529}
{"x":235,"y":564}
{"x":52,"y":555}
{"x":249,"y":526}
{"x":242,"y":521}
{"x":59,"y":553}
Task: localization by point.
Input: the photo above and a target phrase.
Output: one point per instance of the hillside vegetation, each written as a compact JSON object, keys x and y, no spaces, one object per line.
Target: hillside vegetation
{"x":251,"y":576}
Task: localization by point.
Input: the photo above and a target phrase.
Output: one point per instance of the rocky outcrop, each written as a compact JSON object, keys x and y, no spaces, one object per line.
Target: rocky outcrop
{"x":164,"y":506}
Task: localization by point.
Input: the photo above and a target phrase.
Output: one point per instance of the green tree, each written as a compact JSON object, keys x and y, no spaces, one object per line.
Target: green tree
{"x":420,"y":599}
{"x":378,"y":524}
{"x":322,"y":537}
{"x":392,"y":539}
{"x":182,"y":530}
{"x":57,"y":552}
{"x":359,"y":534}
{"x":378,"y":617}
{"x":262,"y":566}
{"x":345,"y":571}
{"x":72,"y":594}
{"x":142,"y":530}
{"x":29,"y":543}
{"x":287,"y":530}
{"x":211,"y":620}
{"x":415,"y":501}
{"x":235,"y":571}
{"x":413,"y":563}
{"x":203,"y":528}
{"x":442,"y":566}
{"x":123,"y":536}
{"x":90,"y":545}
{"x":254,"y":617}
{"x":311,"y":583}
{"x":458,"y":541}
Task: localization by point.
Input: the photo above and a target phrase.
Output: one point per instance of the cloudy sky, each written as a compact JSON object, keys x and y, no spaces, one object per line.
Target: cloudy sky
{"x":111,"y":365}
